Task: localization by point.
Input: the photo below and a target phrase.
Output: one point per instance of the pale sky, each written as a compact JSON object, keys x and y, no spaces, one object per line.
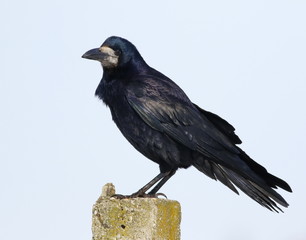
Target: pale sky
{"x":243,"y":60}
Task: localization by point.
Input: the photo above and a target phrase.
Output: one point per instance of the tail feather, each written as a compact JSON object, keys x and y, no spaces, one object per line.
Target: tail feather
{"x":262,"y":192}
{"x":215,"y":172}
{"x":254,"y":180}
{"x":270,"y":179}
{"x":265,"y":196}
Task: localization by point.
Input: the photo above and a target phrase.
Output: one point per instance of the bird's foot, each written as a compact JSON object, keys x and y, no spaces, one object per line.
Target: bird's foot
{"x":121,"y":196}
{"x":156,"y":195}
{"x":149,"y":195}
{"x":139,"y":195}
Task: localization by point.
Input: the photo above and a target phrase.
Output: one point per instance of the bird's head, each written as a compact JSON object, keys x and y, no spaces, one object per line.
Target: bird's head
{"x":115,"y":53}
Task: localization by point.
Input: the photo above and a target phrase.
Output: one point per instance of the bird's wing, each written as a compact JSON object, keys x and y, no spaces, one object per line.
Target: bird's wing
{"x":221,"y":124}
{"x":164,"y":107}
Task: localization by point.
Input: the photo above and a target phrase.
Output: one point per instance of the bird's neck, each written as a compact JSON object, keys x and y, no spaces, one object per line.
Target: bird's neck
{"x":130,"y":69}
{"x":114,"y":81}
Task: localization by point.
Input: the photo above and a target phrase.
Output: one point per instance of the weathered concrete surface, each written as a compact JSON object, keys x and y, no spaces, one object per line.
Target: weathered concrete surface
{"x":136,"y":218}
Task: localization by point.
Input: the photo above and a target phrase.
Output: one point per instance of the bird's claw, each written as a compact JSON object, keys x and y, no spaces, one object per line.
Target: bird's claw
{"x":120,"y":196}
{"x":139,"y":195}
{"x":160,"y":194}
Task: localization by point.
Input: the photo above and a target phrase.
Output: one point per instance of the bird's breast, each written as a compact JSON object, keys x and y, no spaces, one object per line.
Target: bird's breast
{"x":154,"y":144}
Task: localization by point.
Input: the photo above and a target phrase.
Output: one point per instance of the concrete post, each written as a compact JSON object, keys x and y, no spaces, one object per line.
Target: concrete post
{"x":135,"y":219}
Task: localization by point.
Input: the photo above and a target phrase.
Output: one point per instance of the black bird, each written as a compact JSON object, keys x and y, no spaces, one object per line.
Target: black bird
{"x":159,"y":120}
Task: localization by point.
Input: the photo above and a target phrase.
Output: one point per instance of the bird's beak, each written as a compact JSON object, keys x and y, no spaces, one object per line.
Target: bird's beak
{"x":94,"y":54}
{"x":105,"y":55}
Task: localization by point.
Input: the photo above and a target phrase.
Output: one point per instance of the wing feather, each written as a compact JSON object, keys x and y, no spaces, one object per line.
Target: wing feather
{"x":166,"y":108}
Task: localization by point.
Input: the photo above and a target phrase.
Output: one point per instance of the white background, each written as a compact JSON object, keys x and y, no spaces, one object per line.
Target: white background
{"x":244,"y":60}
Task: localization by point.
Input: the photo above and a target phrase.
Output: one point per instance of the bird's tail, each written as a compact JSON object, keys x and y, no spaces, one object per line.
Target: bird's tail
{"x":262,"y":192}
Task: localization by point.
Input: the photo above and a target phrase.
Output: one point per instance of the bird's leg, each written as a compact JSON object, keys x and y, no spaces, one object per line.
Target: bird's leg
{"x":161,"y":183}
{"x":142,"y":191}
{"x":163,"y":176}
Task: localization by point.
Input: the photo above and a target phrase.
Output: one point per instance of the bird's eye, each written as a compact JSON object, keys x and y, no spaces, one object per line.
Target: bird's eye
{"x":117,"y":52}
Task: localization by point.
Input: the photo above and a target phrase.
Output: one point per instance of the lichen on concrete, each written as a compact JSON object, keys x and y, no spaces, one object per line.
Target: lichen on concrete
{"x":135,"y":218}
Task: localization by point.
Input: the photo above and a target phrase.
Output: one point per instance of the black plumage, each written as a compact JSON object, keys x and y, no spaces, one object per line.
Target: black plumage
{"x":159,"y":120}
